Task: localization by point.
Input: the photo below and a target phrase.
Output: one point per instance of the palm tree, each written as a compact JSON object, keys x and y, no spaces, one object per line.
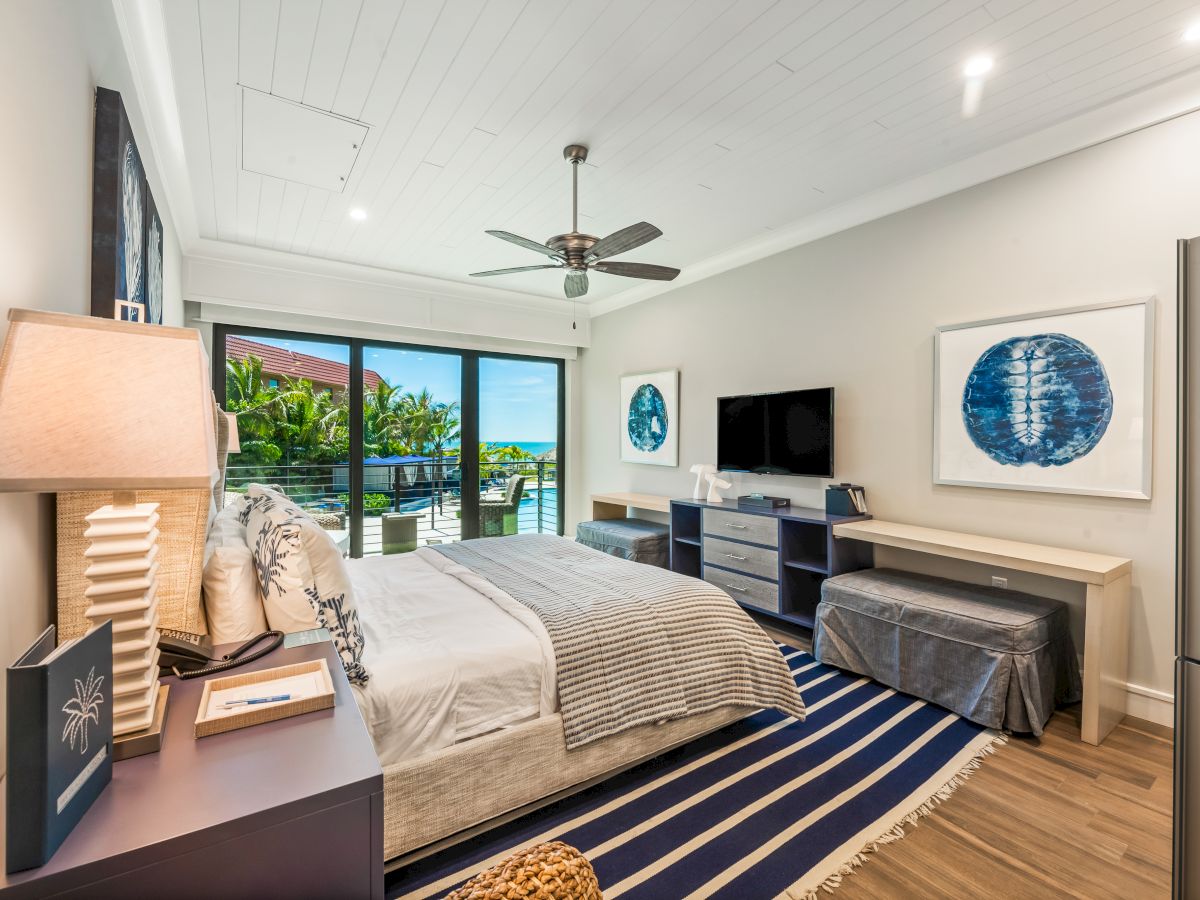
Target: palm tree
{"x":443,"y":427}
{"x":416,"y":412}
{"x":257,"y":406}
{"x":382,"y":421}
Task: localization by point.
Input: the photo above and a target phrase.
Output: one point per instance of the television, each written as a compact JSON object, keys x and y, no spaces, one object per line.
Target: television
{"x":789,"y":433}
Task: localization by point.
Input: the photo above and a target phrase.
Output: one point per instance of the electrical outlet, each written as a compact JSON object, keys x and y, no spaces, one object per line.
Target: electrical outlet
{"x":999,"y":581}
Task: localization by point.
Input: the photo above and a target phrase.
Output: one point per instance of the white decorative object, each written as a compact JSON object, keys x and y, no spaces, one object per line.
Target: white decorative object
{"x":701,"y":471}
{"x":716,"y":484}
{"x":649,"y":424}
{"x":123,"y":570}
{"x":1058,"y":401}
{"x":158,"y":438}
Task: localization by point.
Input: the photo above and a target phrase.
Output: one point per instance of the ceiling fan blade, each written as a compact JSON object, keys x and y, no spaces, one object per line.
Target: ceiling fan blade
{"x":637,"y":270}
{"x":511,"y":271}
{"x":625,"y":239}
{"x":525,"y":242}
{"x":576,"y":284}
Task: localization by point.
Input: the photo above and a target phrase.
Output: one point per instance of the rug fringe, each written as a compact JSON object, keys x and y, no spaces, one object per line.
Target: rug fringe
{"x":899,"y":830}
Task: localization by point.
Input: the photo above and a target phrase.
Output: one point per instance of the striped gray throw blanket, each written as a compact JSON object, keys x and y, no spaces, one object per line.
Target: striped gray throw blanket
{"x":633,"y":644}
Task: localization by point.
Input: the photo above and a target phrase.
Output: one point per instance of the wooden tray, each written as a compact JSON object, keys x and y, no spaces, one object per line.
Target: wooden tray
{"x":257,"y":715}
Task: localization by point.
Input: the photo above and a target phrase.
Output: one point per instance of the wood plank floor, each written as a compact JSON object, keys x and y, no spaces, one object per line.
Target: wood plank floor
{"x":1048,"y":817}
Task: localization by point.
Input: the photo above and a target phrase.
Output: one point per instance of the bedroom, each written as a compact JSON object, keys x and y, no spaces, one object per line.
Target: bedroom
{"x":856,"y":196}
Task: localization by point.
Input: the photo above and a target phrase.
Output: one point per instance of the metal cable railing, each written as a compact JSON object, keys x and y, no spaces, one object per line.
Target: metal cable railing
{"x":430,"y":490}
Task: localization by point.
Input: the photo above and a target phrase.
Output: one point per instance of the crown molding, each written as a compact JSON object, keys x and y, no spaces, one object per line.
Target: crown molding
{"x":144,"y":39}
{"x":1161,"y":103}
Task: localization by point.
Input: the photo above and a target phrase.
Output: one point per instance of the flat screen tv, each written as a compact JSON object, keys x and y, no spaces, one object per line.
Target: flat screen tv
{"x":789,"y":433}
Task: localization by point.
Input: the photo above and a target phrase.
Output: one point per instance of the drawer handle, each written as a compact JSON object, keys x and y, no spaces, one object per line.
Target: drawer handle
{"x":735,"y":556}
{"x":734,"y":587}
{"x":738,"y":527}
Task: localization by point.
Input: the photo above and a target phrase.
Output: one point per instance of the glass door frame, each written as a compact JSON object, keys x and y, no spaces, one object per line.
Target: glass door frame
{"x":468,"y":424}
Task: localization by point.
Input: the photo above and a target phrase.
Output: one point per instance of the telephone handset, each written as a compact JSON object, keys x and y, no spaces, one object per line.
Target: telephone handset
{"x":188,"y":655}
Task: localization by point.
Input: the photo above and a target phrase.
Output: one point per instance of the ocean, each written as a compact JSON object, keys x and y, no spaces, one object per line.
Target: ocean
{"x":535,"y":447}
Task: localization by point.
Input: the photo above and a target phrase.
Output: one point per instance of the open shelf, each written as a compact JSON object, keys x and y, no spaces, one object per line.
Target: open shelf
{"x":695,"y":542}
{"x":806,"y":567}
{"x":800,"y":593}
{"x":805,"y":544}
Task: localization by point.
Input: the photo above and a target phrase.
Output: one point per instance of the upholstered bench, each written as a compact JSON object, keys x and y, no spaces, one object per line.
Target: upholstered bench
{"x":636,"y":539}
{"x":997,"y":657}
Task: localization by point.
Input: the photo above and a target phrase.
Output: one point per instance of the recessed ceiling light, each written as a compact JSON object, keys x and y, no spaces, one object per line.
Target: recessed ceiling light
{"x":978,"y":66}
{"x":358,"y":214}
{"x":1192,"y":33}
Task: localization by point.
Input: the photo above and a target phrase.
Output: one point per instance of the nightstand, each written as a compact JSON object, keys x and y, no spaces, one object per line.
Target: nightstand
{"x":290,"y":808}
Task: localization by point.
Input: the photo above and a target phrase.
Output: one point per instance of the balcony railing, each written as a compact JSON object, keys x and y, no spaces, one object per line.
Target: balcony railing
{"x":432,"y":491}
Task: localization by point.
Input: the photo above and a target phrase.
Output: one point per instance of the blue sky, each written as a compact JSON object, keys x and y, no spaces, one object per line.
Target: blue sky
{"x":518,"y":399}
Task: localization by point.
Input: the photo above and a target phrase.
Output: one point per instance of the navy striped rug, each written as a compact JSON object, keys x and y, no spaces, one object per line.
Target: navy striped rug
{"x":765,"y":807}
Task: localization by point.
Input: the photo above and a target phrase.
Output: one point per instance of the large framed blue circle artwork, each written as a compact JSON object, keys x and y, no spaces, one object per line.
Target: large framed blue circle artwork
{"x":1058,"y":401}
{"x":649,"y":422}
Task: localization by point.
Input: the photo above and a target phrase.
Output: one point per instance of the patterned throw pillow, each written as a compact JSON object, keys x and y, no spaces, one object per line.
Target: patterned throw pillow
{"x":303,"y":577}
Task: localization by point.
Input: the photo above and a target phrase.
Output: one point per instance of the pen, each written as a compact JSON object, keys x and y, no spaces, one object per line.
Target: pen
{"x":253,"y":700}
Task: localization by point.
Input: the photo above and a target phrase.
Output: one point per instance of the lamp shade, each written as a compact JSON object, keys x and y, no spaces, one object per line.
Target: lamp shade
{"x":98,"y":404}
{"x":235,"y":445}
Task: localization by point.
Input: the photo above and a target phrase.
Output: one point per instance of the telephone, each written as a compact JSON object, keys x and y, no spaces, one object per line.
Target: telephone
{"x":188,"y":655}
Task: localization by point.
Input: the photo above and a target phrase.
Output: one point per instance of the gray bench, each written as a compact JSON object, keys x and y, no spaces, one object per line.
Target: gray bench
{"x":997,"y":657}
{"x":637,"y":539}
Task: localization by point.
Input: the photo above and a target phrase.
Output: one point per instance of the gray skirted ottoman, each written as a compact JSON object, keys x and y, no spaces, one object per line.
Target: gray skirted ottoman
{"x":636,"y":539}
{"x":997,"y":657}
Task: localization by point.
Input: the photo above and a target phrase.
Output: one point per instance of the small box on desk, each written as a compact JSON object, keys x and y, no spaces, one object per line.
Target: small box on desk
{"x":758,"y":501}
{"x":846,"y":499}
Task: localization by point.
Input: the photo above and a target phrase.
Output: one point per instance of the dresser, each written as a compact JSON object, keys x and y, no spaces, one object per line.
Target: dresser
{"x":292,"y":808}
{"x":771,"y":561}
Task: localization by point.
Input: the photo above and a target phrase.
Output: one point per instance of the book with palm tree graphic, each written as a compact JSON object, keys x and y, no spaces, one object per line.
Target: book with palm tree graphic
{"x":59,"y":741}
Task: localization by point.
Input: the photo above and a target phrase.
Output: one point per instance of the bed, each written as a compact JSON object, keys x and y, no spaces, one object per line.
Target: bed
{"x":463,"y":701}
{"x":495,"y":674}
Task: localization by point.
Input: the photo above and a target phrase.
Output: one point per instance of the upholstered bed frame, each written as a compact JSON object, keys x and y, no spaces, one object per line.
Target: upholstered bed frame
{"x":449,"y":795}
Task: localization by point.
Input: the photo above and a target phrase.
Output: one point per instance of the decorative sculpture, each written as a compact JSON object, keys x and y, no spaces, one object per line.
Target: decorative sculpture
{"x":715,"y":486}
{"x":701,"y":471}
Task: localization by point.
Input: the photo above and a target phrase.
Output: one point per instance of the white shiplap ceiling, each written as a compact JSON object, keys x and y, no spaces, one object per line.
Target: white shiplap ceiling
{"x":720,"y":121}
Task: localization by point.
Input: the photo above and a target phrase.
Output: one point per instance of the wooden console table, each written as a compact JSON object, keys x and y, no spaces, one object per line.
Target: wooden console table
{"x":616,"y":506}
{"x":1106,"y":611}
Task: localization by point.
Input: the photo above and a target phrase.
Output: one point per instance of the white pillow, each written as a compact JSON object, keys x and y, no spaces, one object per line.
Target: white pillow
{"x":303,"y":579}
{"x":230,"y":586}
{"x":231,"y":599}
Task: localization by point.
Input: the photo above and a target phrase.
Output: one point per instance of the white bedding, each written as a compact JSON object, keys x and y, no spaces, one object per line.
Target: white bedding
{"x":450,"y":657}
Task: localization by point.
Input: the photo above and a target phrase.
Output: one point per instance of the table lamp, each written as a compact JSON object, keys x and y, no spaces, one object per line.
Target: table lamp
{"x":98,"y":404}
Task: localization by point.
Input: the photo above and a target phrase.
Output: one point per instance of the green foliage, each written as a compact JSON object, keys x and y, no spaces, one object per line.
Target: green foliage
{"x":294,"y":424}
{"x":376,"y":501}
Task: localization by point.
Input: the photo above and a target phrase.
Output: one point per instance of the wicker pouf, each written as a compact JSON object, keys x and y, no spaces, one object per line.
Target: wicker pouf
{"x":551,"y":871}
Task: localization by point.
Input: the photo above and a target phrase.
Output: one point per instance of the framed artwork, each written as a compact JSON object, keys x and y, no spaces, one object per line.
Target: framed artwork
{"x":649,"y":423}
{"x":1058,"y":401}
{"x":127,"y":233}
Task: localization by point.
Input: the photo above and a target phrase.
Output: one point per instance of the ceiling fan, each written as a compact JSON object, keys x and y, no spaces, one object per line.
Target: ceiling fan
{"x":577,"y":252}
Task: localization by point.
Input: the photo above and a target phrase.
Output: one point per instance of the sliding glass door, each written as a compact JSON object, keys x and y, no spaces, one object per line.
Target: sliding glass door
{"x":519,"y":411}
{"x":395,"y":446}
{"x":412,"y":473}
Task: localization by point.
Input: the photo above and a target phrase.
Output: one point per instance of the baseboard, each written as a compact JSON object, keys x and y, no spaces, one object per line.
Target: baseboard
{"x":1150,"y":704}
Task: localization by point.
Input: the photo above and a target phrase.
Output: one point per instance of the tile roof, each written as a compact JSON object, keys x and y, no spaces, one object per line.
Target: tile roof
{"x":278,"y":361}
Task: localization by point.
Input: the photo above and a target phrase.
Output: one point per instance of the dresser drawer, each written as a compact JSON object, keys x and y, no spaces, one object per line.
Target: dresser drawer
{"x":743,"y":526}
{"x":743,"y":589}
{"x":742,"y":557}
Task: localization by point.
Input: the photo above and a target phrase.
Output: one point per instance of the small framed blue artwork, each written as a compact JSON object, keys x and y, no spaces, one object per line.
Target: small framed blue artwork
{"x":1058,"y":401}
{"x":649,"y":423}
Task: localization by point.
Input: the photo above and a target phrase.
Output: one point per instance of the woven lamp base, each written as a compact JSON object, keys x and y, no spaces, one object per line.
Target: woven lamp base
{"x":550,"y":871}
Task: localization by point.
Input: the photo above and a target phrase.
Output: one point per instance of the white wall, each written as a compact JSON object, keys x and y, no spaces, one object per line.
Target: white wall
{"x":857,"y":310}
{"x":53,"y":54}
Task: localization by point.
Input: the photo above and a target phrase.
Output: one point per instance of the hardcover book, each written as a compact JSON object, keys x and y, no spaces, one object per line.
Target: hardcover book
{"x":59,"y":741}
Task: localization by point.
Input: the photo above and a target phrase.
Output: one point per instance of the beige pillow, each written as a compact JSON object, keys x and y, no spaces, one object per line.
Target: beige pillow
{"x":230,"y":587}
{"x":231,"y":600}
